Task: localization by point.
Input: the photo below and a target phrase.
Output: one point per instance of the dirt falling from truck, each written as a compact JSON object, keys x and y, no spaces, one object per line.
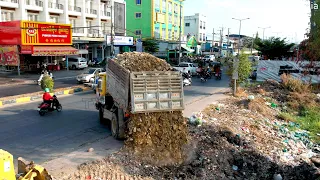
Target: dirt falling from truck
{"x":156,"y":138}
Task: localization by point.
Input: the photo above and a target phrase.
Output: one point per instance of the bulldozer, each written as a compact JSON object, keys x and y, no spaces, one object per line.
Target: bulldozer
{"x":26,"y":170}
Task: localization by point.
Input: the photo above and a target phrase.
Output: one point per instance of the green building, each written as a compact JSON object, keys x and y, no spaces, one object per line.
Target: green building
{"x":159,"y":19}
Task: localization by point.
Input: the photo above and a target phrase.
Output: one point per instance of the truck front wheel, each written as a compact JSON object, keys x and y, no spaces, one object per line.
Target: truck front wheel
{"x":101,"y":118}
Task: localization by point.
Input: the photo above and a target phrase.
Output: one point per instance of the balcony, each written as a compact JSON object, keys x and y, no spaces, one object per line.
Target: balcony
{"x":35,"y":5}
{"x":74,"y":10}
{"x":78,"y":32}
{"x":55,"y":8}
{"x":9,"y":3}
{"x":91,"y":13}
{"x":105,"y":15}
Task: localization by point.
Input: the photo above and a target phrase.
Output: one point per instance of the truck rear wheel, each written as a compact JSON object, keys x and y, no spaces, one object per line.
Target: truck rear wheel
{"x":114,"y":126}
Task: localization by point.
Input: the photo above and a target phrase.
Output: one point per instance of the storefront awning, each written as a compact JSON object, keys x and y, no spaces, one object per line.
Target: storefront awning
{"x":54,"y":51}
{"x":187,"y":48}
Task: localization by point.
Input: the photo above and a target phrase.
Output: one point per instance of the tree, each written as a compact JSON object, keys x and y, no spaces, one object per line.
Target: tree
{"x":47,"y":82}
{"x":150,"y":45}
{"x":244,"y":69}
{"x":274,"y":47}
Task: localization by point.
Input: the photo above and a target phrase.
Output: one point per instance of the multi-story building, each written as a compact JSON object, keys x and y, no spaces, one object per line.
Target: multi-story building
{"x":90,"y":19}
{"x":196,"y":26}
{"x":159,"y":19}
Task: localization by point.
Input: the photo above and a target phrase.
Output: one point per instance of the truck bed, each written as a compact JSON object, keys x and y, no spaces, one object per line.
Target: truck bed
{"x":149,"y":91}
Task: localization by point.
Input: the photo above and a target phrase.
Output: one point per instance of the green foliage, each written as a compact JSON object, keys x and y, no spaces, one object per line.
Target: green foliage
{"x":150,"y":45}
{"x":274,"y":47}
{"x":47,"y":82}
{"x":245,"y":67}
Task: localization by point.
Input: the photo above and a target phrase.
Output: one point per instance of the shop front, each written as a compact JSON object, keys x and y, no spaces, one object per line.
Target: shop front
{"x":121,"y":44}
{"x":34,"y":44}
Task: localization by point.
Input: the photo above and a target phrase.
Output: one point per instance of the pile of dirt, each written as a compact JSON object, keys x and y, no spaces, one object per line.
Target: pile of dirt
{"x":156,"y":138}
{"x":140,"y":61}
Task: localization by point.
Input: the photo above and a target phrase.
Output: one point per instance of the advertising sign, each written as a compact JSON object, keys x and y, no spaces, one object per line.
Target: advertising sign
{"x":120,"y":41}
{"x":38,"y":33}
{"x":26,"y":49}
{"x":9,"y":55}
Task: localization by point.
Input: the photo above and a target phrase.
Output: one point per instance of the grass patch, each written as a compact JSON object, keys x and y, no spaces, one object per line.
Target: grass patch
{"x":309,"y":120}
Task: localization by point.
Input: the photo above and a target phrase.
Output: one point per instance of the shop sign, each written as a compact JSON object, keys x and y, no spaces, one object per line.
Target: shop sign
{"x":38,"y":33}
{"x":54,"y":53}
{"x":120,"y":41}
{"x":26,"y":49}
{"x":9,"y":55}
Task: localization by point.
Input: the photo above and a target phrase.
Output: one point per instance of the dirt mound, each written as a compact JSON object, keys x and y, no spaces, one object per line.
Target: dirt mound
{"x":156,"y":138}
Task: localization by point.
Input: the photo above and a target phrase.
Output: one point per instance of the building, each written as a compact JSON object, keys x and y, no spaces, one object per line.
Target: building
{"x":90,"y":19}
{"x":159,"y":19}
{"x":24,"y":44}
{"x":196,"y":26}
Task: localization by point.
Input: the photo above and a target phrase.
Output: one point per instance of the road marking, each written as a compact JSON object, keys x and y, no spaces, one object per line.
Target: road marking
{"x":65,"y":78}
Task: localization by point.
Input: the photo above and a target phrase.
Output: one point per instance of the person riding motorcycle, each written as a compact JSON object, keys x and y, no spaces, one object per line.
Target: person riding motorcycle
{"x":47,"y":98}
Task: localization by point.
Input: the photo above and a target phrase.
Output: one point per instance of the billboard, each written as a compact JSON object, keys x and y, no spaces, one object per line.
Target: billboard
{"x":43,"y":33}
{"x":120,"y":41}
{"x":9,"y":55}
{"x":119,"y":18}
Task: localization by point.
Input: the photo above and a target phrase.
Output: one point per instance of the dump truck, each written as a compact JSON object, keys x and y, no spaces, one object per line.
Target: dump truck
{"x":121,"y":93}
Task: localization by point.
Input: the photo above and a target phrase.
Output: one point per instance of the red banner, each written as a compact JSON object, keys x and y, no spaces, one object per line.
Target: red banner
{"x":9,"y":55}
{"x":38,"y":33}
{"x":25,"y":49}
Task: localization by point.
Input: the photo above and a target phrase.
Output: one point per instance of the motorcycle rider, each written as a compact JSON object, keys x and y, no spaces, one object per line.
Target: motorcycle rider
{"x":47,"y":98}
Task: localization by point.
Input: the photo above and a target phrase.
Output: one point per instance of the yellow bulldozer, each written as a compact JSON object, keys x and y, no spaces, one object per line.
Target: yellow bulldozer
{"x":26,"y":170}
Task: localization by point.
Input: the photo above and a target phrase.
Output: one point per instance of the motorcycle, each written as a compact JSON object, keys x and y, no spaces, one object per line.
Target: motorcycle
{"x":43,"y":74}
{"x":205,"y":76}
{"x":218,"y":76}
{"x":187,"y":81}
{"x":44,"y":107}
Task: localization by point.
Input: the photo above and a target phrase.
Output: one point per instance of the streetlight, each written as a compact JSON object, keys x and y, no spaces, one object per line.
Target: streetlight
{"x":240,"y":20}
{"x":235,"y":64}
{"x":180,"y":30}
{"x":264,"y":28}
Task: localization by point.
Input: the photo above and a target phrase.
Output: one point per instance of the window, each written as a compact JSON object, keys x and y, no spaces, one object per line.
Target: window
{"x":157,"y":32}
{"x":33,"y":17}
{"x":169,"y":33}
{"x":163,"y":33}
{"x":200,"y":24}
{"x":204,"y":25}
{"x":204,"y":37}
{"x":170,"y":19}
{"x":187,"y":24}
{"x":157,"y":4}
{"x":175,"y":8}
{"x":54,"y":19}
{"x":104,"y":27}
{"x":138,"y":2}
{"x":164,"y":5}
{"x":6,"y":16}
{"x":176,"y":20}
{"x":138,"y":32}
{"x":200,"y":37}
{"x":176,"y":34}
{"x":89,"y":24}
{"x":138,"y":15}
{"x":170,"y":7}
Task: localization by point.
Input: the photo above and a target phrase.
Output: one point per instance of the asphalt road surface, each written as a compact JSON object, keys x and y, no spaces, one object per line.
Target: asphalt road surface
{"x":62,"y":79}
{"x":24,"y":133}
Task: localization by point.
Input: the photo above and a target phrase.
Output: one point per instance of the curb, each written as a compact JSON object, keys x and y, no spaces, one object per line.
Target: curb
{"x":31,"y":98}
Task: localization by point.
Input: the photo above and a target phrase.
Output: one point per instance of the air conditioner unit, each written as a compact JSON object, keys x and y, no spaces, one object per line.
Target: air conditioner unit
{"x":90,"y":35}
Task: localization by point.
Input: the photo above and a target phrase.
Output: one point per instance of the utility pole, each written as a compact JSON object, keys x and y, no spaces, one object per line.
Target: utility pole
{"x":252,"y":43}
{"x":228,"y":41}
{"x":221,"y":41}
{"x":213,"y":41}
{"x":180,"y":31}
{"x":264,"y":28}
{"x":112,"y":39}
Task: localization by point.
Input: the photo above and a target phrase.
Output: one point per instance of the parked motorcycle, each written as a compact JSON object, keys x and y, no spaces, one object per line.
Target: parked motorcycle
{"x":43,"y":73}
{"x":187,"y":81}
{"x":44,"y":107}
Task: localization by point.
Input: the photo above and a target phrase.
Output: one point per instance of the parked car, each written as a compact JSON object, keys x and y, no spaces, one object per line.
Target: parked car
{"x":209,"y":58}
{"x":186,"y":67}
{"x":88,"y":77}
{"x":77,"y":62}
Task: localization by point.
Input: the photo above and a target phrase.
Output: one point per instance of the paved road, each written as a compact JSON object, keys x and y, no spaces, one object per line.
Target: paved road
{"x":62,"y":79}
{"x":24,"y":133}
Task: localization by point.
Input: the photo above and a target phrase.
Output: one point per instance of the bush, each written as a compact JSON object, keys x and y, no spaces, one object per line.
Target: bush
{"x":47,"y":82}
{"x":293,"y":84}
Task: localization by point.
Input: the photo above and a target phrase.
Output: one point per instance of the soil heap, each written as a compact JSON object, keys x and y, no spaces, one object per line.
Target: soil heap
{"x":157,"y":138}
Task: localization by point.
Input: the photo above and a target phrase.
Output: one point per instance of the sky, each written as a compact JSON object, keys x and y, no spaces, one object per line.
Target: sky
{"x":287,"y":18}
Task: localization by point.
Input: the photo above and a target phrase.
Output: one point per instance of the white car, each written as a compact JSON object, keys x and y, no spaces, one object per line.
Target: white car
{"x":187,"y":67}
{"x":88,"y":77}
{"x":209,"y":58}
{"x":77,"y":62}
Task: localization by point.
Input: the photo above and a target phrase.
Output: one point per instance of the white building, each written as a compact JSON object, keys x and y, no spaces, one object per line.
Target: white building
{"x":91,"y":19}
{"x":196,"y":26}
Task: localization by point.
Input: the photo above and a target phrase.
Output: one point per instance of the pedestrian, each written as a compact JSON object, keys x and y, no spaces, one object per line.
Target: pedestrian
{"x":38,"y":68}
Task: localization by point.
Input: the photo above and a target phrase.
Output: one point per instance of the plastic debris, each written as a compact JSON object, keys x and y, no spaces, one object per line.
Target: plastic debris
{"x":251,"y":97}
{"x":277,"y":177}
{"x":234,"y":167}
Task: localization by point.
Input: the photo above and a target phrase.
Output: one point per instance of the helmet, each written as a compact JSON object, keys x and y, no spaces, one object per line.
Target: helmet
{"x":46,"y":90}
